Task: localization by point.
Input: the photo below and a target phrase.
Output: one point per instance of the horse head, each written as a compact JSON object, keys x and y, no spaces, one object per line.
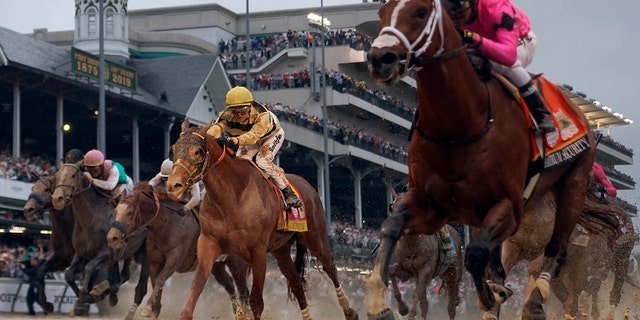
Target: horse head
{"x":192,"y":155}
{"x":68,"y":182}
{"x":39,"y":199}
{"x":412,"y":32}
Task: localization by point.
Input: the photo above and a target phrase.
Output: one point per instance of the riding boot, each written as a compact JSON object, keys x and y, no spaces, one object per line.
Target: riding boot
{"x":447,"y":243}
{"x":540,"y":113}
{"x":290,"y":197}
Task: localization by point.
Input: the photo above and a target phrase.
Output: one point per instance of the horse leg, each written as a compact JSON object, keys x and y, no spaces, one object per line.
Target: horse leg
{"x":49,"y":265}
{"x":225,"y":280}
{"x":147,"y":311}
{"x":239,"y":271}
{"x":294,"y":280}
{"x":390,"y":232}
{"x":125,"y":272}
{"x":620,"y":265}
{"x":259,"y":267}
{"x":402,"y":307}
{"x":322,"y":251}
{"x":208,"y":251}
{"x":484,"y":250}
{"x":451,"y":282}
{"x":420,"y":293}
{"x":141,"y":287}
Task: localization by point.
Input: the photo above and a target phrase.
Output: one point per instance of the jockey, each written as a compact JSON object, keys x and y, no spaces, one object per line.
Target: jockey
{"x":161,"y":179}
{"x":107,"y":175}
{"x":502,"y":32}
{"x":255,"y":131}
{"x":598,"y":176}
{"x":73,"y":156}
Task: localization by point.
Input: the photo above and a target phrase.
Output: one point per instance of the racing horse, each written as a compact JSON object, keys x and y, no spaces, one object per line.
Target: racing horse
{"x":150,"y":212}
{"x":587,"y":254}
{"x":469,"y":157}
{"x":420,"y":256}
{"x":239,"y":216}
{"x":62,"y":222}
{"x":93,"y":259}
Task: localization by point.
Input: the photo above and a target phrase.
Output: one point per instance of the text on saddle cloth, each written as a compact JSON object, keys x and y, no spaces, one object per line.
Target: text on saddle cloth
{"x":570,"y":138}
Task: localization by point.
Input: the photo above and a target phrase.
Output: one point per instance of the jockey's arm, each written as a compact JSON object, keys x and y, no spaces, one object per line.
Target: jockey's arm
{"x":220,"y":124}
{"x":600,"y":177}
{"x":155,"y":180}
{"x":195,"y":197}
{"x":111,"y":181}
{"x":260,"y":128}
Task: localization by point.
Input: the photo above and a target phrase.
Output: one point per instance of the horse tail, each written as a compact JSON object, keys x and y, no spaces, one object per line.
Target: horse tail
{"x":300,"y":263}
{"x":601,"y":218}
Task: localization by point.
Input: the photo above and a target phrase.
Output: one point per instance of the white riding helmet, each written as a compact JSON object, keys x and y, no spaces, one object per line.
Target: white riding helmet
{"x":165,"y":168}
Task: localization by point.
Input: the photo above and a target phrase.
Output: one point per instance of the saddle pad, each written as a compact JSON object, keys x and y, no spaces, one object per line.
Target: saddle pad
{"x":570,"y":138}
{"x":292,"y":219}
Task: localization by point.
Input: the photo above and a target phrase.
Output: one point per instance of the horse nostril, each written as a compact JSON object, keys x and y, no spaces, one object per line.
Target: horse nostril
{"x":388,"y":58}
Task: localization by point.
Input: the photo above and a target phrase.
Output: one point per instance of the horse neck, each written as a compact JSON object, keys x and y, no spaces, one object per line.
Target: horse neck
{"x":88,"y":206}
{"x":450,"y":92}
{"x":232,"y":178}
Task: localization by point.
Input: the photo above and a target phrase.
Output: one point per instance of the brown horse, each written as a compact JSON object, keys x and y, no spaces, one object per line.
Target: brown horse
{"x":469,"y":157}
{"x":92,"y":211}
{"x":62,"y":222}
{"x":419,"y":256}
{"x":588,"y":254}
{"x":239,"y":216}
{"x":148,"y":211}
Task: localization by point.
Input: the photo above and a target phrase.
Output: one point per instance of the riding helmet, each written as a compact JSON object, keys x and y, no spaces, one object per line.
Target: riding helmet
{"x":238,"y":97}
{"x":165,"y":168}
{"x":93,"y":158}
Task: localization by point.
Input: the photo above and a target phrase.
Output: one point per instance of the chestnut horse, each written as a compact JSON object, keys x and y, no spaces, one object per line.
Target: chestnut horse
{"x":92,"y":211}
{"x":62,"y":222}
{"x":469,"y":157}
{"x":239,"y":216}
{"x":150,"y":212}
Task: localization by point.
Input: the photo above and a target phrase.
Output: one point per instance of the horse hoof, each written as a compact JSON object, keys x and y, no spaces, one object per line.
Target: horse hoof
{"x":533,"y":309}
{"x":384,"y":315}
{"x":145,"y":312}
{"x":48,"y":307}
{"x":99,"y":288}
{"x":350,"y":314}
{"x":113,"y":299}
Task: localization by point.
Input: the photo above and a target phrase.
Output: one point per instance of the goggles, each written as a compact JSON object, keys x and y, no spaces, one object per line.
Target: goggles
{"x":456,"y":5}
{"x":240,"y":111}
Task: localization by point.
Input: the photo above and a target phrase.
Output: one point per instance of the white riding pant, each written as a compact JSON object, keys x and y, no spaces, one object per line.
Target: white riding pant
{"x":517,"y":73}
{"x":265,"y":150}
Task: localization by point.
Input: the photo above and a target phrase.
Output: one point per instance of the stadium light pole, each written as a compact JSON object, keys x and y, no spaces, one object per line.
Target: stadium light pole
{"x":322,"y":24}
{"x":101,"y":127}
{"x":247,"y":43}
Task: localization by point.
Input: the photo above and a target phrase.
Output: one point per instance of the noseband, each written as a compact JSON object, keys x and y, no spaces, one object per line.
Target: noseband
{"x":67,"y":197}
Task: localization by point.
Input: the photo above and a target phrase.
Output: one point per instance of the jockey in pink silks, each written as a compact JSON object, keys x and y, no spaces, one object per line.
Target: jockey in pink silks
{"x":600,"y":177}
{"x":502,"y":32}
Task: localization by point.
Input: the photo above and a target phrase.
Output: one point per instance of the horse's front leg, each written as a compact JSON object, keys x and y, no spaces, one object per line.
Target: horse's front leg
{"x":484,"y":251}
{"x":259,"y":267}
{"x":402,"y":307}
{"x":208,"y":251}
{"x":420,"y":293}
{"x":390,"y":232}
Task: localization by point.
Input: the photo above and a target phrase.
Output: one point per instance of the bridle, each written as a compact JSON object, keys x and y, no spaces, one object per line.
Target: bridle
{"x":203,"y":166}
{"x":67,"y":197}
{"x":413,"y":58}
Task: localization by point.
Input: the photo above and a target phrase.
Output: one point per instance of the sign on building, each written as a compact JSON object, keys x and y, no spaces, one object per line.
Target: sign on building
{"x":87,"y":64}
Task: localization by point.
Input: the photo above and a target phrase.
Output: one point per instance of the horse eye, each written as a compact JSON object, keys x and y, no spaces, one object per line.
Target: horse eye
{"x":421,"y":13}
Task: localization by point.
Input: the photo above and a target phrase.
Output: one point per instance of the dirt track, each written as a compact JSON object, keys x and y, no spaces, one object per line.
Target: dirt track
{"x":214,"y":302}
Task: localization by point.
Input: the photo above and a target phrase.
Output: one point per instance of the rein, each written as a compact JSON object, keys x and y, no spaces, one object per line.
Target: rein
{"x":143,"y":227}
{"x":73,"y":187}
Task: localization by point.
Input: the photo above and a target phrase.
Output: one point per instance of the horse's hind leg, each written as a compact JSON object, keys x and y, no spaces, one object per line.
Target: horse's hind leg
{"x":208,"y":251}
{"x":141,"y":287}
{"x":402,"y":307}
{"x":294,"y":280}
{"x":322,"y":252}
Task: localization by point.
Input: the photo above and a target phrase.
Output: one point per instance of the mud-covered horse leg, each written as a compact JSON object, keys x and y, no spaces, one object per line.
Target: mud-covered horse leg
{"x":141,"y":287}
{"x":97,"y":275}
{"x":420,"y":294}
{"x":259,"y":267}
{"x":226,"y":281}
{"x":125,"y":272}
{"x":322,"y":252}
{"x":55,"y":263}
{"x":555,"y":252}
{"x":239,"y":270}
{"x":286,"y":266}
{"x":390,"y":232}
{"x":496,"y":276}
{"x":403,"y":309}
{"x":484,"y":251}
{"x":80,"y":307}
{"x":451,"y":282}
{"x":208,"y":251}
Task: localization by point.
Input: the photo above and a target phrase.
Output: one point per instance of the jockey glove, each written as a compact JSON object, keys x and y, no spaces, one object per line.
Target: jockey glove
{"x":182,"y":212}
{"x":88,"y":176}
{"x":230,"y":142}
{"x":471,"y":38}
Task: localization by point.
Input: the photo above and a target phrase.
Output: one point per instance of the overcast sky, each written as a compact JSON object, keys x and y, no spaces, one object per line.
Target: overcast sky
{"x":592,"y":45}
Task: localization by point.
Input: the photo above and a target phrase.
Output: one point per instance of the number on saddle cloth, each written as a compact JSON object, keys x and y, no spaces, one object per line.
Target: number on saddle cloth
{"x":123,"y":174}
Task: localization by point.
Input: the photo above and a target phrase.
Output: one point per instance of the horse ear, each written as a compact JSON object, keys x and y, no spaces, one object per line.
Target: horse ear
{"x":394,"y":194}
{"x":185,"y":124}
{"x":80,"y":163}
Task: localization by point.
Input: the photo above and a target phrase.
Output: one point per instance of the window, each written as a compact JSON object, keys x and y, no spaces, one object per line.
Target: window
{"x":93,"y":22}
{"x":109,"y":23}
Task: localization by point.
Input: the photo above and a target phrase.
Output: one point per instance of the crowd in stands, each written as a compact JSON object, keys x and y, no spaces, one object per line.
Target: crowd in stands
{"x":12,"y":255}
{"x":616,"y":145}
{"x":263,"y":47}
{"x":342,"y":133}
{"x":20,"y":169}
{"x":339,"y":81}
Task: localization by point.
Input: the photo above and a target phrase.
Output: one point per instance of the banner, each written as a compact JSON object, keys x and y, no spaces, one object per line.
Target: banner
{"x":13,"y":296}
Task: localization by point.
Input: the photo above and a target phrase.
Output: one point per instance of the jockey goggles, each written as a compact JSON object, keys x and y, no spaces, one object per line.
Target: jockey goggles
{"x":456,"y":5}
{"x":240,"y":110}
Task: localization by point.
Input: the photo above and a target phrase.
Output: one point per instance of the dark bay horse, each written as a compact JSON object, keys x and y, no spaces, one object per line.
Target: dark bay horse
{"x":239,"y":216}
{"x":419,"y":257}
{"x":170,"y":241}
{"x":62,"y":222}
{"x":93,"y":259}
{"x":469,"y":157}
